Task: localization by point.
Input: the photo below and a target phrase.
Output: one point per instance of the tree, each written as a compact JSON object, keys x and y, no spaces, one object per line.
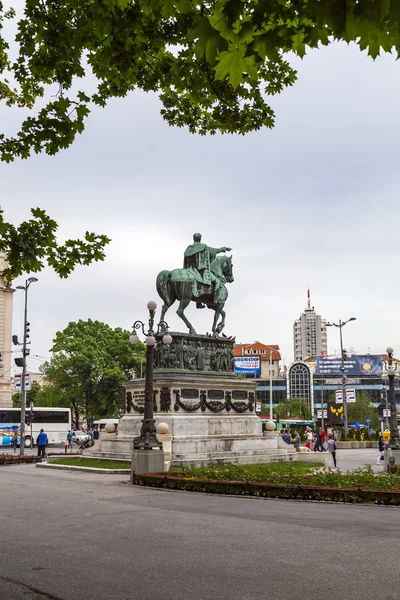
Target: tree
{"x":31,"y":395}
{"x":90,"y":362}
{"x":299,"y":408}
{"x":33,"y":243}
{"x":362,"y":409}
{"x":211,"y":62}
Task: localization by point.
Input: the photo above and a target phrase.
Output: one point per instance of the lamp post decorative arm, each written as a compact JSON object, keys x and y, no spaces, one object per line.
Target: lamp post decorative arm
{"x":147,"y":440}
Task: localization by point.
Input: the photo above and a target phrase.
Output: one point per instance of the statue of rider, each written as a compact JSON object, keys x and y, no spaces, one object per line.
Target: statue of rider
{"x":198,"y":257}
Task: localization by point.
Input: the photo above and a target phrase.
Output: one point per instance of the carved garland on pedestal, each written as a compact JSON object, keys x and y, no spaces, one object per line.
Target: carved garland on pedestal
{"x":130,"y":405}
{"x":188,"y":407}
{"x":214,"y":405}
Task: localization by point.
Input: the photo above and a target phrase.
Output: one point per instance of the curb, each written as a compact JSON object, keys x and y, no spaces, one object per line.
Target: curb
{"x":84,"y":469}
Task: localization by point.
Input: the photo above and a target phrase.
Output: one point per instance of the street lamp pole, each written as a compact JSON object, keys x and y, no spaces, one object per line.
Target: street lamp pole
{"x":342,"y":369}
{"x":147,"y":440}
{"x":24,"y":355}
{"x":391,"y":368}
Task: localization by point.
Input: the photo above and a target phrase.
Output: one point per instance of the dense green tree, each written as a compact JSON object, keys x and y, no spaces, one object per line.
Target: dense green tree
{"x":211,"y":62}
{"x":299,"y":408}
{"x":362,"y":409}
{"x":90,"y":362}
{"x":31,"y":395}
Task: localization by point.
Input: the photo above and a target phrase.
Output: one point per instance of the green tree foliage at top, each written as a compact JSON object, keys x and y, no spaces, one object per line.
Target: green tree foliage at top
{"x":32,"y":244}
{"x":212,"y":63}
{"x":90,"y":362}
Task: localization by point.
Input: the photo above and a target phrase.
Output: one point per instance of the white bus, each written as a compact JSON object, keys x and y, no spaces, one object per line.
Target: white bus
{"x":56,"y":422}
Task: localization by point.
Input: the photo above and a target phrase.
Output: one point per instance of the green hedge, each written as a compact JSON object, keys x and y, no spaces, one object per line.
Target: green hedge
{"x":268,"y":490}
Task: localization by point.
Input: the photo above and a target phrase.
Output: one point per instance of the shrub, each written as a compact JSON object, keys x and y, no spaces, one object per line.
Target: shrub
{"x":343,"y":436}
{"x":350,"y":435}
{"x":358,"y":435}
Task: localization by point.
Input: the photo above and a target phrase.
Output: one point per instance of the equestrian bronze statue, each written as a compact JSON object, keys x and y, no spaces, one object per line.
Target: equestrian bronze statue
{"x":202,"y":280}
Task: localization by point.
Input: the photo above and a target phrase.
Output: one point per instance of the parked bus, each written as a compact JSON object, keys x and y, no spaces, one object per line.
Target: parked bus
{"x":294,"y":423}
{"x":101,"y":423}
{"x":55,"y":421}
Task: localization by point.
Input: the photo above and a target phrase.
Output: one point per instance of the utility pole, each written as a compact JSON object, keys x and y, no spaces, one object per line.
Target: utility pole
{"x":342,"y":369}
{"x":25,"y":353}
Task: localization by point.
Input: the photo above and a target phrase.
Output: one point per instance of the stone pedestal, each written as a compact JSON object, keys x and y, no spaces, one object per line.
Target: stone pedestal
{"x":210,"y":417}
{"x":208,"y":410}
{"x":148,"y":461}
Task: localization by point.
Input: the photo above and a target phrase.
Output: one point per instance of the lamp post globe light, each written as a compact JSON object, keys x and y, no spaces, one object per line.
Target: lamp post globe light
{"x":340,"y":326}
{"x":390,"y":368}
{"x":147,"y":440}
{"x":25,"y":353}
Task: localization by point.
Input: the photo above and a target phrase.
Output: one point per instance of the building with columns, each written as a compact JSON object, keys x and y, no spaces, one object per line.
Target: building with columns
{"x":6,"y":305}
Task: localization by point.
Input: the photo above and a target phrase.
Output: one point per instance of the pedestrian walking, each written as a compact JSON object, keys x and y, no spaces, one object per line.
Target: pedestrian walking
{"x":381,"y":446}
{"x":309,"y":438}
{"x":69,"y":439}
{"x":296,"y":441}
{"x":96,"y":434}
{"x":332,"y":449}
{"x":15,"y":440}
{"x":286,"y":436}
{"x":317,"y":443}
{"x":42,"y":443}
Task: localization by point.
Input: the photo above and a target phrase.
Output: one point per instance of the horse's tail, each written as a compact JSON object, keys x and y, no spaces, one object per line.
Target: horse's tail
{"x":165,"y":289}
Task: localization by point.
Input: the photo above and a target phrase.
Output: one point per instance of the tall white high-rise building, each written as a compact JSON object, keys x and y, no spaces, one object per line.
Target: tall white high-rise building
{"x":6,"y":304}
{"x":309,"y":333}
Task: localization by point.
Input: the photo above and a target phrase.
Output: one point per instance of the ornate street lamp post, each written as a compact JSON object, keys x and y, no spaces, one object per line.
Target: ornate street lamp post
{"x":390,"y":369}
{"x":340,"y":326}
{"x":147,"y":440}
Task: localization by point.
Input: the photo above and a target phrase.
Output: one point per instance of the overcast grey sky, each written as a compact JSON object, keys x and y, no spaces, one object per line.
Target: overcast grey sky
{"x":313,"y":202}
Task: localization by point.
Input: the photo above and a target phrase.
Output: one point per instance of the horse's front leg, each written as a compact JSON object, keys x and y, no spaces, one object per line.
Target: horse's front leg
{"x":221,"y":324}
{"x":181,"y":312}
{"x":215,"y":329}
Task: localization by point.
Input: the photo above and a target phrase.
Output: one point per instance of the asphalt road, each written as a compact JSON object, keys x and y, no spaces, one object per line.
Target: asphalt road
{"x":68,"y":535}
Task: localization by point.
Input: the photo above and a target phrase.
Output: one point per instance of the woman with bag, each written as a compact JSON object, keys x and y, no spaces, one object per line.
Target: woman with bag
{"x":332,"y":449}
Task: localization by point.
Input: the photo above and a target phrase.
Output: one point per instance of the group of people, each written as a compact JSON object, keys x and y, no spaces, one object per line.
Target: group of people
{"x":322,"y":441}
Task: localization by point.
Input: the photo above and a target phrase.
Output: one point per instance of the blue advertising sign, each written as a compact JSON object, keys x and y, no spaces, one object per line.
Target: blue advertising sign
{"x":354,"y":365}
{"x":247,"y":365}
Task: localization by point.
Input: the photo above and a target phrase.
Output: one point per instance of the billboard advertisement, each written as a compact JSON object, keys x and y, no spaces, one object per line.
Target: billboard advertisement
{"x":247,"y":365}
{"x":335,"y":412}
{"x":355,"y":365}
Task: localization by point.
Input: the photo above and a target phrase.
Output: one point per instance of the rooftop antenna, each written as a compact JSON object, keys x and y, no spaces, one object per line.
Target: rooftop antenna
{"x":308,"y":300}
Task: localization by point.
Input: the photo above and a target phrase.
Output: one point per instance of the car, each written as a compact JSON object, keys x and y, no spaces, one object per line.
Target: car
{"x":79,"y":437}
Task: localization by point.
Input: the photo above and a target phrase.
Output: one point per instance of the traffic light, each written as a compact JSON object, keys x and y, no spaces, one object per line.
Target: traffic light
{"x":15,"y":340}
{"x":27,"y":330}
{"x":19,"y":362}
{"x":344,"y":354}
{"x":278,"y":418}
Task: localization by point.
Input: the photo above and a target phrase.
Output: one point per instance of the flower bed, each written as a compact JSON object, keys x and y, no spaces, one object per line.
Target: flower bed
{"x":16,"y":459}
{"x":271,"y":490}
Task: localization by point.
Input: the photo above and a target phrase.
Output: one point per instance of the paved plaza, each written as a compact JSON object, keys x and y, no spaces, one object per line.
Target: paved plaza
{"x":68,"y":535}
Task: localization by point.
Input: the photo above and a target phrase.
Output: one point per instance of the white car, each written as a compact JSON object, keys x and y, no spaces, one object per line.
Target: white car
{"x":79,"y":437}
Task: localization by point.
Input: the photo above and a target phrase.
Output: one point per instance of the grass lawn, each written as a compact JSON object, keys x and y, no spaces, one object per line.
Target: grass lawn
{"x":234,"y":472}
{"x":94,"y":463}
